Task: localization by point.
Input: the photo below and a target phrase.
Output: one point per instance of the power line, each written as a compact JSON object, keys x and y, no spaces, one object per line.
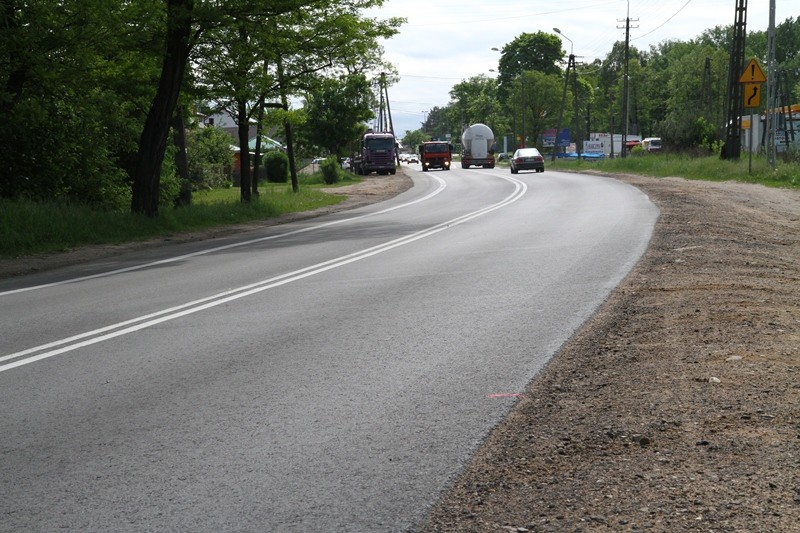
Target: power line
{"x":665,"y":22}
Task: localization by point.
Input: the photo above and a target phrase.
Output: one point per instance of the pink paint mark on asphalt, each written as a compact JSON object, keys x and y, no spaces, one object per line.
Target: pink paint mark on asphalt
{"x":506,"y":395}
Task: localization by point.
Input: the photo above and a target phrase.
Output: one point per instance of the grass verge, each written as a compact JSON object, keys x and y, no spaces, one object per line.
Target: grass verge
{"x":710,"y":168}
{"x":28,"y":227}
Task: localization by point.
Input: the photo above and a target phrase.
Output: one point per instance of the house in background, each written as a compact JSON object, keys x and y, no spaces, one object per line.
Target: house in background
{"x":228,"y":124}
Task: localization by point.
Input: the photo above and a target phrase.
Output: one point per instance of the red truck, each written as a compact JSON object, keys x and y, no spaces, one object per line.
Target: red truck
{"x":435,"y":154}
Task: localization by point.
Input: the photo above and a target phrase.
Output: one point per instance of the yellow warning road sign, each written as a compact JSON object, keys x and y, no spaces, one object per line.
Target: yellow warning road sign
{"x":752,"y":73}
{"x":752,"y":95}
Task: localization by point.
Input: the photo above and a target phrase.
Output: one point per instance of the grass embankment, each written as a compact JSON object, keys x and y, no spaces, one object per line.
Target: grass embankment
{"x":710,"y":168}
{"x":28,"y":227}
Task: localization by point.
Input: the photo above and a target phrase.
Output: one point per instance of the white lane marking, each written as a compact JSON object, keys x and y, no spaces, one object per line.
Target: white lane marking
{"x":88,"y":338}
{"x":441,"y":186}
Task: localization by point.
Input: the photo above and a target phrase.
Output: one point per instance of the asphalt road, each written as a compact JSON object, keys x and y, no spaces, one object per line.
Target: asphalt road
{"x":333,"y":374}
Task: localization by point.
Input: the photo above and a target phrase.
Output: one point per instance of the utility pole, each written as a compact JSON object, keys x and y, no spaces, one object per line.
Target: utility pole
{"x":735,"y":103}
{"x":785,"y":108}
{"x":386,"y":115}
{"x":625,"y":102}
{"x":570,"y":65}
{"x":383,"y":122}
{"x":522,"y":141}
{"x":772,"y":91}
{"x":575,"y":120}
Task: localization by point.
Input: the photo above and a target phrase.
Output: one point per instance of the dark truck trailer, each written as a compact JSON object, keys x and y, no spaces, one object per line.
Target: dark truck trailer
{"x":435,"y":154}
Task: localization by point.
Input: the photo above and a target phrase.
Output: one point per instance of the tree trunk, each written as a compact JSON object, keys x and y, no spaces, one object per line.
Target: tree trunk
{"x":181,"y":159}
{"x":244,"y":151}
{"x":257,"y":158}
{"x":154,"y":138}
{"x":287,"y":129}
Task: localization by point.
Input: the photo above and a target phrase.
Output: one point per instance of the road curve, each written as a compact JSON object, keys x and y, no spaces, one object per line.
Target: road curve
{"x":331,"y":374}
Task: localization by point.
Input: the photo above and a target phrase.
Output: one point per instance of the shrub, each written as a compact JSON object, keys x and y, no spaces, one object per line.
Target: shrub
{"x":792,"y":154}
{"x":169,"y":188}
{"x":276,"y":165}
{"x":331,"y":171}
{"x":209,"y":153}
{"x":637,"y":150}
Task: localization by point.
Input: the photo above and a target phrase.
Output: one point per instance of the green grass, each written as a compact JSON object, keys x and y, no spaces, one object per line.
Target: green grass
{"x":28,"y":227}
{"x":710,"y":168}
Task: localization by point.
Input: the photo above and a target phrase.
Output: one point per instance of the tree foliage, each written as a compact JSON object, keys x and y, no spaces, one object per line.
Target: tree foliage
{"x":337,"y":110}
{"x":255,"y":64}
{"x":412,"y":140}
{"x":89,"y":89}
{"x":538,"y":51}
{"x":537,"y":97}
{"x":209,"y":157}
{"x":68,"y":121}
{"x":476,"y":100}
{"x":676,"y":89}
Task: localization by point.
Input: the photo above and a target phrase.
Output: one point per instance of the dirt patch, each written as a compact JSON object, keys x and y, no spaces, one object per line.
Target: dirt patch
{"x":677,"y":406}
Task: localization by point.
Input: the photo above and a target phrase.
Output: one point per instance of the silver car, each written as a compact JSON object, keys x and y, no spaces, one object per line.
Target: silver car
{"x":527,"y":159}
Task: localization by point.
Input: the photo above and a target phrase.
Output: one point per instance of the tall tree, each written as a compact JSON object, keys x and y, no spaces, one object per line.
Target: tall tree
{"x":61,"y":93}
{"x":331,"y":43}
{"x":412,"y":139}
{"x":186,"y":21}
{"x":337,"y":110}
{"x":252,"y":64}
{"x":476,"y":100}
{"x":538,"y":51}
{"x":153,"y":141}
{"x":538,"y":99}
{"x":438,"y":124}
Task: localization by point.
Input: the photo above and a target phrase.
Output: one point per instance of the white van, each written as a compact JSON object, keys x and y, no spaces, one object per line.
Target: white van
{"x":651,"y":144}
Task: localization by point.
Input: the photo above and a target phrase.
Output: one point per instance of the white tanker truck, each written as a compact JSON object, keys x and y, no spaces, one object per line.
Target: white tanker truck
{"x":477,"y":146}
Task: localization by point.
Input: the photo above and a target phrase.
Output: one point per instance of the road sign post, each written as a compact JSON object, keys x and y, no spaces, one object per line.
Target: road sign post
{"x":752,"y":78}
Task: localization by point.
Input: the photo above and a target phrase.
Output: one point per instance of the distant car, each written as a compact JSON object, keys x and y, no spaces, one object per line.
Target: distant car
{"x":527,"y":159}
{"x":317,"y":160}
{"x":412,"y":159}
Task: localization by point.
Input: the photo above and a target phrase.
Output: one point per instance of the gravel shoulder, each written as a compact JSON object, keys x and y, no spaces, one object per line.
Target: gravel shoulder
{"x":675,"y":408}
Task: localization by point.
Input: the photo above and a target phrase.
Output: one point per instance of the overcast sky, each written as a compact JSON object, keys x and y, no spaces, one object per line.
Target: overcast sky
{"x":447,"y":41}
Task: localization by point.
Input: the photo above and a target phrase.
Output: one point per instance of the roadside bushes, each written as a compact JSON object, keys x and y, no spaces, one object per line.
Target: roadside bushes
{"x":276,"y":164}
{"x":210,"y":158}
{"x":331,"y":171}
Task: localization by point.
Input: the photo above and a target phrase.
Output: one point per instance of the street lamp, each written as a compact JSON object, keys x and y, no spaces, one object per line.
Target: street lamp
{"x":514,"y":128}
{"x":565,"y":37}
